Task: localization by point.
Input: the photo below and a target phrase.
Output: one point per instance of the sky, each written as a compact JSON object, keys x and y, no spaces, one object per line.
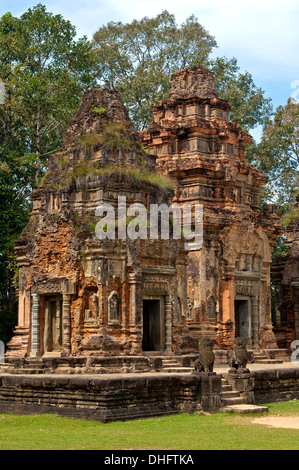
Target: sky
{"x":261,"y":34}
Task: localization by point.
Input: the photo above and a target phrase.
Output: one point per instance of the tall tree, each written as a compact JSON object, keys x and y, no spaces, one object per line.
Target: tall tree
{"x":45,"y":70}
{"x":138,"y":59}
{"x":277,"y":155}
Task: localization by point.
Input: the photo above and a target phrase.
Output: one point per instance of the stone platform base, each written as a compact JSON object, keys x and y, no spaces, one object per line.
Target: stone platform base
{"x":244,"y":409}
{"x":117,"y":397}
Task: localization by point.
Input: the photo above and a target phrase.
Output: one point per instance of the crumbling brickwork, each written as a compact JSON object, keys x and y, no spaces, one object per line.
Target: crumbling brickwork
{"x":81,"y":295}
{"x":229,"y":278}
{"x":285,"y":275}
{"x":84,"y":296}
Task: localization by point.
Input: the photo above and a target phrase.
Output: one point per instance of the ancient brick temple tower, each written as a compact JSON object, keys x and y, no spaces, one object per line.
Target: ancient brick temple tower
{"x":229,"y":278}
{"x":81,"y":295}
{"x":285,"y":275}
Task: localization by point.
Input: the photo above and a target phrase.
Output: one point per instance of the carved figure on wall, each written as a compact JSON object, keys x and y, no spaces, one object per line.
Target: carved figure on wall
{"x":113,"y":308}
{"x":205,"y":361}
{"x":211,"y":308}
{"x":239,"y":356}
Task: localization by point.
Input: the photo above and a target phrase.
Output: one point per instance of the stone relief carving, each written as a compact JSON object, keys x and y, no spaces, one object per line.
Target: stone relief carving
{"x":239,"y":356}
{"x":113,"y":308}
{"x":54,"y":286}
{"x":189,"y":311}
{"x":244,"y":288}
{"x":211,"y":307}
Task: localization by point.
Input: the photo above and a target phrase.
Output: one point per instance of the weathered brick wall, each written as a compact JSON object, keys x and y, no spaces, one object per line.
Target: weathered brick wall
{"x":109,"y":399}
{"x":276,"y":385}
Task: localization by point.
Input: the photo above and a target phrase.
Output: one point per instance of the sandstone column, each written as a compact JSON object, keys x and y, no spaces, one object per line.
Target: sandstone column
{"x":228,"y":311}
{"x":134,"y":313}
{"x":66,"y":322}
{"x":168,"y":313}
{"x":35,"y":337}
{"x":47,"y":326}
{"x":255,"y":322}
{"x":57,"y":322}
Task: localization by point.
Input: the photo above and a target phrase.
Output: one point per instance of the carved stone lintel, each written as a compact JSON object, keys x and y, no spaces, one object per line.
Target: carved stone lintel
{"x":54,"y":286}
{"x":244,"y":288}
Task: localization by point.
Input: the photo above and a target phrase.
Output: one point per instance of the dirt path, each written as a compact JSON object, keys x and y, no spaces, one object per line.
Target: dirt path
{"x":289,"y":422}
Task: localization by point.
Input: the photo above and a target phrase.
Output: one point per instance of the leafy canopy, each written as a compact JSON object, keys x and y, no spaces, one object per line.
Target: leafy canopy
{"x":278,"y":156}
{"x":139,"y":58}
{"x":45,"y":71}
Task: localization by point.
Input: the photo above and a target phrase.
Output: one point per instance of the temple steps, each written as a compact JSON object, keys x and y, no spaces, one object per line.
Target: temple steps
{"x":172,"y":365}
{"x":262,"y":358}
{"x":232,"y":402}
{"x":244,"y":409}
{"x":270,"y":356}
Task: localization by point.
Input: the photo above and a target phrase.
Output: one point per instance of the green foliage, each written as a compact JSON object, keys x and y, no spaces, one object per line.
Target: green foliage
{"x":83,"y":222}
{"x":45,"y":70}
{"x":139,"y":58}
{"x":100,"y":110}
{"x":278,"y":156}
{"x":89,"y":140}
{"x":84,"y":168}
{"x":113,"y":135}
{"x":290,"y":217}
{"x":249,"y":107}
{"x":14,"y":214}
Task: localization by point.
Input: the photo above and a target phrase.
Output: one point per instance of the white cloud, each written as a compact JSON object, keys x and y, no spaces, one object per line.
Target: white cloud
{"x":261,"y":34}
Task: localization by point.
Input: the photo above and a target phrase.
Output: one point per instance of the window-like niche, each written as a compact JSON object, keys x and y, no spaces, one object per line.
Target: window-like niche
{"x":113,"y":309}
{"x":211,"y":308}
{"x":189,"y":312}
{"x":179,"y":310}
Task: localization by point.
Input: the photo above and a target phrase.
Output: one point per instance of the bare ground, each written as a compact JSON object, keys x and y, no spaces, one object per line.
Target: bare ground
{"x":288,"y":422}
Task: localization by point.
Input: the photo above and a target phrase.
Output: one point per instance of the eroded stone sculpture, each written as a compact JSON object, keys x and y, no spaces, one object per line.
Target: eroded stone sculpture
{"x":205,"y":361}
{"x":239,"y":356}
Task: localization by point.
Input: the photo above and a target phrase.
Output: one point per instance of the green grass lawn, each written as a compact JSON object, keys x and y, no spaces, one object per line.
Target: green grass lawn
{"x":178,"y":432}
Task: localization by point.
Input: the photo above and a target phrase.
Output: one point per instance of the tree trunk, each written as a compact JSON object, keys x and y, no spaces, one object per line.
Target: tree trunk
{"x":37,"y":144}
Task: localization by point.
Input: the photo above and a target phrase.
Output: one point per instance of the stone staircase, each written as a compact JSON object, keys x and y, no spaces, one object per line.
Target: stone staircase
{"x":270,"y":356}
{"x":232,"y":402}
{"x":172,"y":365}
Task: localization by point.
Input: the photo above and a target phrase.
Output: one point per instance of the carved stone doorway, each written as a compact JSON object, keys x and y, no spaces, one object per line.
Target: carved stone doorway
{"x":53,"y":328}
{"x":242,"y":318}
{"x":151,"y":334}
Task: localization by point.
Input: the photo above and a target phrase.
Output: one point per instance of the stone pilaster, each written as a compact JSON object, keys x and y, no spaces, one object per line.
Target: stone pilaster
{"x":134,"y":312}
{"x":35,"y":326}
{"x":66,"y":322}
{"x":168,"y":324}
{"x":255,"y":322}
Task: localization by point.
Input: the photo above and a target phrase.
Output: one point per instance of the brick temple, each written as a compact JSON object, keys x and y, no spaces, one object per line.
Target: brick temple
{"x":84,"y":296}
{"x":81,"y":295}
{"x":285,"y":276}
{"x":229,"y":278}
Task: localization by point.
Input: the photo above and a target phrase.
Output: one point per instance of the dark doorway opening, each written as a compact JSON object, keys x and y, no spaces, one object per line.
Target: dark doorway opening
{"x":241,"y":319}
{"x":151,"y":338}
{"x":53,"y":327}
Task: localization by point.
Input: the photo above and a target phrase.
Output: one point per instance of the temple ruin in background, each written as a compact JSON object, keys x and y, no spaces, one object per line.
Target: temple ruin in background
{"x":285,"y":275}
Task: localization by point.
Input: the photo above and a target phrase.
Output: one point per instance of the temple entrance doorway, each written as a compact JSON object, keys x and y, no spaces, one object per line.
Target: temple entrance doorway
{"x":151,"y":331}
{"x":53,"y":340}
{"x":242,"y":318}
